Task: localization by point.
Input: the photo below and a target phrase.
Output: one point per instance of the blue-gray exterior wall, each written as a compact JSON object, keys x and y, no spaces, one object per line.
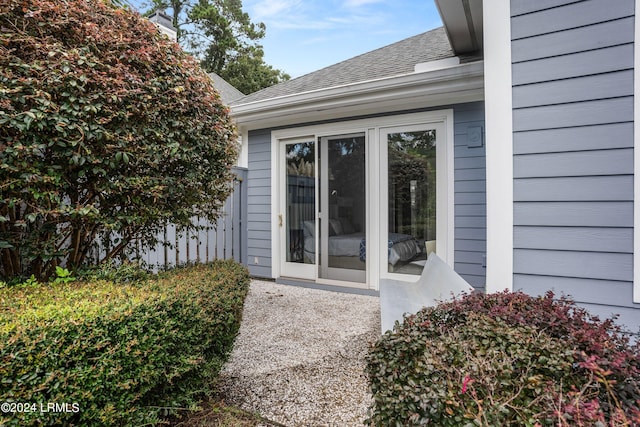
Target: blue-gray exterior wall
{"x":259,"y":204}
{"x":470,"y":200}
{"x":469,"y":188}
{"x":572,"y":64}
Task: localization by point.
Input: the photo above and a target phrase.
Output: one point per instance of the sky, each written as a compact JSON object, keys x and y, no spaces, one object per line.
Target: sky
{"x":306,"y":35}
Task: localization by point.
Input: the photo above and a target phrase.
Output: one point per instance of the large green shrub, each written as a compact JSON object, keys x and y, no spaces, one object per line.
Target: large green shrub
{"x":505,"y":359}
{"x":107,"y":128}
{"x":118,"y":354}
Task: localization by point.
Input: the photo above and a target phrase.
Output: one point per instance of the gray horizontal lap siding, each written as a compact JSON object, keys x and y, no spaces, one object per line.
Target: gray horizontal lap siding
{"x":259,"y":204}
{"x":572,"y":65}
{"x":469,"y":188}
{"x":470,"y":201}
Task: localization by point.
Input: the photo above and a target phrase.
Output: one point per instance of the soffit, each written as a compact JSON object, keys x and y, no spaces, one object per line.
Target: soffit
{"x":463,"y":24}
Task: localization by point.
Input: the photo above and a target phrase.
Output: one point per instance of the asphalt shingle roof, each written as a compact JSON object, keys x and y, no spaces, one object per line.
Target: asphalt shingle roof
{"x":392,"y":60}
{"x":228,"y":93}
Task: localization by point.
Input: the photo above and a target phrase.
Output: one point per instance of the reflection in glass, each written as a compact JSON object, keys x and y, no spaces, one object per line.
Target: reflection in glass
{"x":346,"y":201}
{"x":300,"y":158}
{"x":412,"y":199}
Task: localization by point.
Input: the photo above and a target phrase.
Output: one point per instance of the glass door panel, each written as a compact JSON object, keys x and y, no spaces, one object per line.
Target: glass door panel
{"x":298,"y":218}
{"x":342,"y":209}
{"x":411,"y":199}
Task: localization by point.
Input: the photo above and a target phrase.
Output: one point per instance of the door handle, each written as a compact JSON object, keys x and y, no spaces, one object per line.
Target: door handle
{"x":280,"y":219}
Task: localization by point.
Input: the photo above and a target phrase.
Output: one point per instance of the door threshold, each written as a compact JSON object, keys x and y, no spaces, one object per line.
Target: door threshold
{"x":335,"y":286}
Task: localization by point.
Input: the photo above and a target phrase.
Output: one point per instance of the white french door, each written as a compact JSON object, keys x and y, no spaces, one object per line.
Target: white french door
{"x":342,"y":208}
{"x":362,"y":200}
{"x":297,"y":211}
{"x":416,"y":198}
{"x":322,"y":217}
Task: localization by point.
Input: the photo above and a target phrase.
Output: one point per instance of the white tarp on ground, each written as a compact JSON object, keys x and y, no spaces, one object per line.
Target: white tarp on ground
{"x":438,"y":282}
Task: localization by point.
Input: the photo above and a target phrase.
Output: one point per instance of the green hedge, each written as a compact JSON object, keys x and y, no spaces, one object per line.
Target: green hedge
{"x":116,"y":354}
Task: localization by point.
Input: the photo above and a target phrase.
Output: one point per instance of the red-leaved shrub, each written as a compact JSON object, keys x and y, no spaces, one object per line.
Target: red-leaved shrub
{"x":505,"y":359}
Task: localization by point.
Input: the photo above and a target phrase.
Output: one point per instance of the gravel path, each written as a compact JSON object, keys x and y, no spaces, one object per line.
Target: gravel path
{"x":299,"y":358}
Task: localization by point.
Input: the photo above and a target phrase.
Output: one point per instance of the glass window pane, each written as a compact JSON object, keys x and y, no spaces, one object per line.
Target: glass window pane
{"x":346,"y":202}
{"x":301,"y":209}
{"x":412,"y":199}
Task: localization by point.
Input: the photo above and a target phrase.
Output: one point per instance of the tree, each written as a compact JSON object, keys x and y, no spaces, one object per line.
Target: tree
{"x":106,"y":127}
{"x":248,"y":73}
{"x":412,"y":177}
{"x":223,"y":37}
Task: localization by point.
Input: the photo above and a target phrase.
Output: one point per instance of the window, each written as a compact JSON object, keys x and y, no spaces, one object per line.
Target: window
{"x":301,"y":206}
{"x":411,"y":199}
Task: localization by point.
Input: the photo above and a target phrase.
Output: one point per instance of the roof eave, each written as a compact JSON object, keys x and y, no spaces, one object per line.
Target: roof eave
{"x":462,"y":83}
{"x":463,"y":23}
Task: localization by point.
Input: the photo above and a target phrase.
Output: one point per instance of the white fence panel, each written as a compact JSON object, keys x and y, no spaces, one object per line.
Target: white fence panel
{"x":222,"y":240}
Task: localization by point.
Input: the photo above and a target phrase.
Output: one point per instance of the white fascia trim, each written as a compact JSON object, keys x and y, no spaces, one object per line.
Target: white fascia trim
{"x":636,"y":159}
{"x":463,"y":83}
{"x":499,"y":145}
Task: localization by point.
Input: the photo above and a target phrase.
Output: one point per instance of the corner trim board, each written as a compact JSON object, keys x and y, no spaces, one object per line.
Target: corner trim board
{"x":499,"y":145}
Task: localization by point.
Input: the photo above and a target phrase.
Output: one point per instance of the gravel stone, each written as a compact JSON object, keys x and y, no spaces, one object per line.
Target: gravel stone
{"x":300,"y":356}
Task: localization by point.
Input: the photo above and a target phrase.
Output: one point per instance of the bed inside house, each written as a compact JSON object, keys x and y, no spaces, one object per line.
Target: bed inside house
{"x":347,"y":247}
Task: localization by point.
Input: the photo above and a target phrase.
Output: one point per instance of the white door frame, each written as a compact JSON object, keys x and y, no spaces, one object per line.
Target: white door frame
{"x":444,"y":195}
{"x":291,"y":269}
{"x":442,"y":119}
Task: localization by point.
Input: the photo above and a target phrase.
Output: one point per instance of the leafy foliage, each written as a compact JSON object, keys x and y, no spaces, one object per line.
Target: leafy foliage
{"x":117,"y":272}
{"x":125,"y":354}
{"x":222,"y":35}
{"x":412,"y":175}
{"x":505,"y":359}
{"x":106,"y":127}
{"x":248,"y":72}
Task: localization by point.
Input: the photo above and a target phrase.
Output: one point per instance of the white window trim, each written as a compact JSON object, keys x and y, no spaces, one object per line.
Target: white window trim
{"x":275,"y":205}
{"x":636,"y":159}
{"x":372,"y":126}
{"x":499,"y":145}
{"x":444,"y":194}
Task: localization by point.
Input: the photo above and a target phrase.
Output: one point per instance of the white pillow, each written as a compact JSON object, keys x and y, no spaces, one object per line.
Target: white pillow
{"x":309,"y":228}
{"x":336,"y":227}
